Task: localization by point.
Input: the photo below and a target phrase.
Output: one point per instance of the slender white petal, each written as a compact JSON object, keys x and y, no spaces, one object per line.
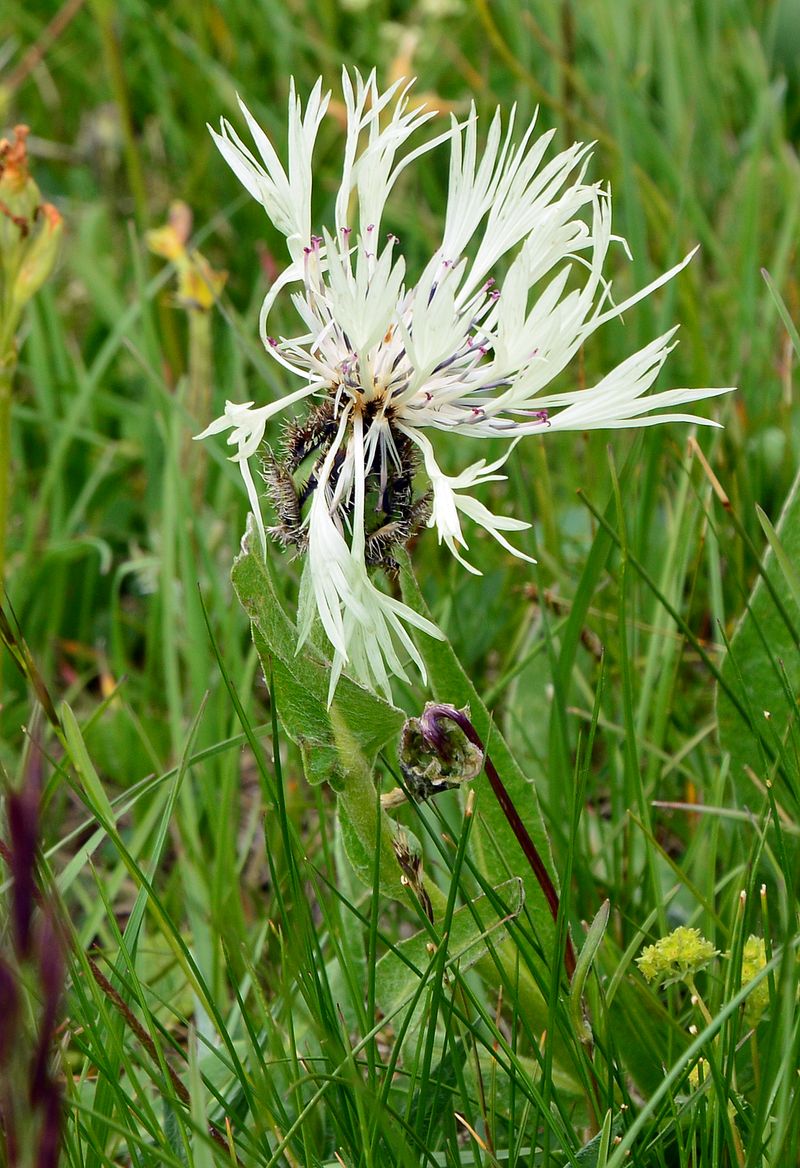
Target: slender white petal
{"x":449,"y":499}
{"x":285,"y":198}
{"x":247,"y":428}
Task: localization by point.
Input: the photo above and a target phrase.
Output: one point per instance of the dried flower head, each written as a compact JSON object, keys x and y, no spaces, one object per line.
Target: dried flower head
{"x":436,"y":755}
{"x":30,"y":233}
{"x":676,"y":957}
{"x":469,"y":346}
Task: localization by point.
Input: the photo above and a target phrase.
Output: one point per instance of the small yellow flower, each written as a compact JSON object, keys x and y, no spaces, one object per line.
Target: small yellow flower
{"x":199,"y":286}
{"x":676,"y":957}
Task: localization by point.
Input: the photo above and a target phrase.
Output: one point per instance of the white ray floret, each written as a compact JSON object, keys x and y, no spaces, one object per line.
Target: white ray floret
{"x":454,"y":351}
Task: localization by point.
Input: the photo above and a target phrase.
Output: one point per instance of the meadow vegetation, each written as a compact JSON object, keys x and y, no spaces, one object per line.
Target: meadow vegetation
{"x":214,"y":981}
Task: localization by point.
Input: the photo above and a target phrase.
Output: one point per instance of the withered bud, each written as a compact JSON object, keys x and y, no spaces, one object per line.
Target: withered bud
{"x":435,"y":753}
{"x":39,"y":257}
{"x":14,"y":172}
{"x":30,"y":230}
{"x":410,"y":862}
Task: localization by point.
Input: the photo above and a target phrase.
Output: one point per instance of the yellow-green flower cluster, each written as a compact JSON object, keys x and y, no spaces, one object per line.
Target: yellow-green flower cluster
{"x":699,"y":1074}
{"x":676,"y":957}
{"x":754,"y":958}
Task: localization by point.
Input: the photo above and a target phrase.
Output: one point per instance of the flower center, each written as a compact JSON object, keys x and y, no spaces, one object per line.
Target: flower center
{"x":394,"y":513}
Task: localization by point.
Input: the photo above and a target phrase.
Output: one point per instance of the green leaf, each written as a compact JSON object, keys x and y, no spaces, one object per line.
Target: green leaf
{"x":785,"y":316}
{"x":339,"y":743}
{"x":399,"y":972}
{"x":90,"y":780}
{"x":586,"y":957}
{"x":301,"y":678}
{"x":595,"y":1153}
{"x":790,"y":573}
{"x":202,"y":1155}
{"x":763,"y":664}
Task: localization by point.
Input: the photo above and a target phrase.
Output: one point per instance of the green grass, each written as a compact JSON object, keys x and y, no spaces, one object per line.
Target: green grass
{"x":234,"y":991}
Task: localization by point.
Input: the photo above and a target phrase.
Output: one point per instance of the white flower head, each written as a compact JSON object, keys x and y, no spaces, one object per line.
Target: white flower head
{"x":462,"y":349}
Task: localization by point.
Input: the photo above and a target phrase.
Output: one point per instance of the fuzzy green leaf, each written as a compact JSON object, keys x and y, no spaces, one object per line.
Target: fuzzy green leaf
{"x":338,"y":743}
{"x":301,"y":679}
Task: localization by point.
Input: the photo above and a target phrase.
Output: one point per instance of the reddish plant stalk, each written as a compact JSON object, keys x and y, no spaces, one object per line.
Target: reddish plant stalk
{"x":429,"y":725}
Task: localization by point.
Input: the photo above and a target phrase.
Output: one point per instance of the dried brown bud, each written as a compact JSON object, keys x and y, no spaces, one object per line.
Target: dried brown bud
{"x":30,"y":230}
{"x":436,"y":755}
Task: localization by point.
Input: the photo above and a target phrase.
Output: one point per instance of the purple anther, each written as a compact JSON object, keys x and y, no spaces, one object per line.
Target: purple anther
{"x":273,"y":342}
{"x":542,"y":416}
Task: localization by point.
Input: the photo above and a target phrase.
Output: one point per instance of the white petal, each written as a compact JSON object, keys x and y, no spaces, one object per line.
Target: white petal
{"x":454,"y":352}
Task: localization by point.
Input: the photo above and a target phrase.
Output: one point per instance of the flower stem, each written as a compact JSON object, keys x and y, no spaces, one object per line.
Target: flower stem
{"x":105,"y":14}
{"x":529,"y":848}
{"x":8,"y":365}
{"x":198,"y":402}
{"x":698,"y":1001}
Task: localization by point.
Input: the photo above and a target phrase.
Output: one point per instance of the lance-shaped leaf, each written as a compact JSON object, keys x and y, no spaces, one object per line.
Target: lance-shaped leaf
{"x":302,"y":679}
{"x":339,"y":744}
{"x":402,"y":974}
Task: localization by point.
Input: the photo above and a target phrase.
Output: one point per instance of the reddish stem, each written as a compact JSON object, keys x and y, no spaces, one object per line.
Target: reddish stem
{"x":431,"y":731}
